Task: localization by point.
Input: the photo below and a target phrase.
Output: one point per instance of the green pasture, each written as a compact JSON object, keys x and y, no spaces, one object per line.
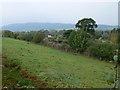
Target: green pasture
{"x":55,"y":66}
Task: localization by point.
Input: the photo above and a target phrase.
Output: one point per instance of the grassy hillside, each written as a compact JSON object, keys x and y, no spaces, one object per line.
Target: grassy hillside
{"x":57,"y":66}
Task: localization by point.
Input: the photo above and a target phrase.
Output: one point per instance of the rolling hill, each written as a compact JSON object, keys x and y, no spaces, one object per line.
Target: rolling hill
{"x":48,"y":26}
{"x":60,"y":67}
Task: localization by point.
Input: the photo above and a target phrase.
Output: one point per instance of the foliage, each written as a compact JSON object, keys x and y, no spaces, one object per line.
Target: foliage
{"x":66,"y":34}
{"x":25,"y":37}
{"x":7,"y":33}
{"x":38,"y":37}
{"x":115,"y":58}
{"x":110,"y":78}
{"x":105,"y":36}
{"x":98,"y":34}
{"x":46,"y":32}
{"x":78,"y":40}
{"x":119,"y":45}
{"x":88,"y":24}
{"x":16,"y":35}
{"x":102,"y":50}
{"x":59,"y":39}
{"x":114,"y":36}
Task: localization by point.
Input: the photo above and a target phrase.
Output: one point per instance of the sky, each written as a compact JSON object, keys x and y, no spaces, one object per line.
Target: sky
{"x":58,"y":11}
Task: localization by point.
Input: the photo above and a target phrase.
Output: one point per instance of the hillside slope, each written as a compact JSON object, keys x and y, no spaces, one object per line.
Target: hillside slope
{"x":61,"y":67}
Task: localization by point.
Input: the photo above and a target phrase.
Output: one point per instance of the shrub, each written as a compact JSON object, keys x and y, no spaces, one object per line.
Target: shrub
{"x":16,"y":35}
{"x":38,"y":37}
{"x":102,"y":50}
{"x":7,"y":33}
{"x":25,"y":37}
{"x":66,"y":34}
{"x":78,"y":40}
{"x":28,"y":37}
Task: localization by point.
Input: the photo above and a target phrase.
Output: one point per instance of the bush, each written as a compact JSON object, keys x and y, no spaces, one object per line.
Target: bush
{"x":78,"y":40}
{"x":7,"y":33}
{"x":102,"y":50}
{"x":16,"y":35}
{"x":25,"y":37}
{"x":66,"y":34}
{"x":38,"y":37}
{"x":28,"y":37}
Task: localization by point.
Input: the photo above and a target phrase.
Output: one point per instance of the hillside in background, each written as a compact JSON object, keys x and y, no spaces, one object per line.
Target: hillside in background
{"x":48,"y":26}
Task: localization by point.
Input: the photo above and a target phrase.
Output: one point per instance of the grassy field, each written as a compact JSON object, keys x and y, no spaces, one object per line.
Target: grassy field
{"x":58,"y":68}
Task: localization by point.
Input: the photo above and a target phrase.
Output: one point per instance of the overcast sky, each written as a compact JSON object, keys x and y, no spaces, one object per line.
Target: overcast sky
{"x":59,"y":12}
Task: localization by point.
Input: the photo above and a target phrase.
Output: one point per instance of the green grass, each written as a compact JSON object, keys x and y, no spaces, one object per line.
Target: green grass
{"x":63,"y":68}
{"x":12,"y":78}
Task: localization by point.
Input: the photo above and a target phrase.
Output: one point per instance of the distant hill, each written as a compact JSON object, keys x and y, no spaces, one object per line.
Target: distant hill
{"x":48,"y":26}
{"x":105,"y":27}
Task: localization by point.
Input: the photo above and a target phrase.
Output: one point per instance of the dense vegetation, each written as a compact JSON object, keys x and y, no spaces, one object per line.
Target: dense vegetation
{"x":102,"y":50}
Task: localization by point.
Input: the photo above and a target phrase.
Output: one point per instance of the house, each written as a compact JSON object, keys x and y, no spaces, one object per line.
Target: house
{"x":50,"y":36}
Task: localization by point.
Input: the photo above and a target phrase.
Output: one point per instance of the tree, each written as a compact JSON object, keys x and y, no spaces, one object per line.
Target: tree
{"x":66,"y":34}
{"x":7,"y":33}
{"x":78,"y":40}
{"x":114,"y":36}
{"x":38,"y":37}
{"x":98,"y":34}
{"x":71,"y":39}
{"x":25,"y":37}
{"x":16,"y":35}
{"x":46,"y":32}
{"x":87,"y":24}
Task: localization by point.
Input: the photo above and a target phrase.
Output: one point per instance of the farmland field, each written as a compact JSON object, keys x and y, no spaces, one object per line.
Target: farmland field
{"x":56,"y":66}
